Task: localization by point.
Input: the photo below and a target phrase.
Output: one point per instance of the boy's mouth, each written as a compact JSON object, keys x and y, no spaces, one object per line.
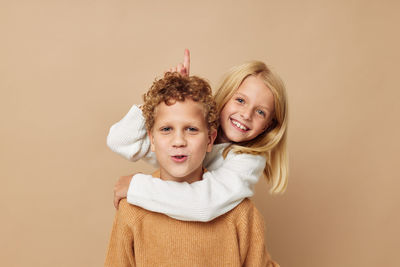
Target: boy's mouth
{"x":179,"y":158}
{"x":239,"y":126}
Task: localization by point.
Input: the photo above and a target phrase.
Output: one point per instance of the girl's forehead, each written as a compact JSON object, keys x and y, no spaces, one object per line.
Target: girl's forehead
{"x":255,"y":90}
{"x":253,"y":85}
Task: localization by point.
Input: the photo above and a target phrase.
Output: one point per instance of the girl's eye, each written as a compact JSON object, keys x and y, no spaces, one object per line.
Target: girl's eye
{"x":240,"y":100}
{"x":260,"y":112}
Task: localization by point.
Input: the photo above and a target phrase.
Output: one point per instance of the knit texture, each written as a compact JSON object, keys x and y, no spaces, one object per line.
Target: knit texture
{"x":128,"y":137}
{"x":143,"y":238}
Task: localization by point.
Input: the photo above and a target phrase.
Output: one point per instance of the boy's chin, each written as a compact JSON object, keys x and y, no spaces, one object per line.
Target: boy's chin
{"x":182,"y":176}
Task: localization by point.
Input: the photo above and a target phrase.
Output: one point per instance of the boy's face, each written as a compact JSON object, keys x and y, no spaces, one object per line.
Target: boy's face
{"x":180,"y":138}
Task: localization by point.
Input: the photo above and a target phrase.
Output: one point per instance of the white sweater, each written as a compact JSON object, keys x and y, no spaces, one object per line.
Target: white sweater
{"x":226,"y":183}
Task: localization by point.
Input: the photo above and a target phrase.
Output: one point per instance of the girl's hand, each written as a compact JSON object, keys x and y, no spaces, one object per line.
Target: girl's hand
{"x":121,"y":188}
{"x":183,"y":69}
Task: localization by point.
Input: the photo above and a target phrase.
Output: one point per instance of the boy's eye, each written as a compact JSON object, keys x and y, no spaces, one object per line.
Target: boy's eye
{"x":240,"y":100}
{"x":165,"y":129}
{"x":192,"y":129}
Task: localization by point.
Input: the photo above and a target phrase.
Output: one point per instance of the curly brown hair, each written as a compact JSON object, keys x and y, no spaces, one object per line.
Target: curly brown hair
{"x":175,"y":87}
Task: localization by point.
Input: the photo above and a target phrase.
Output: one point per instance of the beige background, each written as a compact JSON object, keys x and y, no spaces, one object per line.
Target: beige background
{"x":70,"y":69}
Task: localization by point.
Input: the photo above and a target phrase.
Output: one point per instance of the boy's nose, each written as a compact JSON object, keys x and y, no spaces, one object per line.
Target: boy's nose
{"x":179,"y":140}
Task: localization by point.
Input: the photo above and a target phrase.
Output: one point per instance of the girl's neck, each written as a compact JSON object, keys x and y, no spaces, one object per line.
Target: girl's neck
{"x":221,"y":138}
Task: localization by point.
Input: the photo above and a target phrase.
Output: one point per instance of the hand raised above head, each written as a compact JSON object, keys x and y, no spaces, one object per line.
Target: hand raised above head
{"x":186,"y":62}
{"x":183,"y":68}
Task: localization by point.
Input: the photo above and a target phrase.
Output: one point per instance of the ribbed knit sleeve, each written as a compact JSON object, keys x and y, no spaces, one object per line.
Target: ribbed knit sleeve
{"x":120,"y":251}
{"x":252,"y":245}
{"x":220,"y":190}
{"x":128,"y":137}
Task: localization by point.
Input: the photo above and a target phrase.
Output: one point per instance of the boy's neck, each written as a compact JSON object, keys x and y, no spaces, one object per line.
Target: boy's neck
{"x":190,"y":178}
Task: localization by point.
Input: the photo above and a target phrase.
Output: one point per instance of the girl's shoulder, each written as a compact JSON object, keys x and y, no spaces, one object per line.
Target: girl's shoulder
{"x":215,"y":159}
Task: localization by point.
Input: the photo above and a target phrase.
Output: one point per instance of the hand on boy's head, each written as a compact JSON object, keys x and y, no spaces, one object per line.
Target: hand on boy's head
{"x":121,"y":188}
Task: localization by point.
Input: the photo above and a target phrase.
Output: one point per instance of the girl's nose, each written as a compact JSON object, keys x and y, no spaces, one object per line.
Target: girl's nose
{"x":245,"y":113}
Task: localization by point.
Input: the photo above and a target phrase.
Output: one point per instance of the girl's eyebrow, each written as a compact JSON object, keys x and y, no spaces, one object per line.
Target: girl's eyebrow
{"x":259,"y":106}
{"x":241,"y":95}
{"x":264,"y":107}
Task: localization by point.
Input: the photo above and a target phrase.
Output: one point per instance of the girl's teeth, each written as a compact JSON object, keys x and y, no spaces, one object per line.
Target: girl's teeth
{"x":239,"y":125}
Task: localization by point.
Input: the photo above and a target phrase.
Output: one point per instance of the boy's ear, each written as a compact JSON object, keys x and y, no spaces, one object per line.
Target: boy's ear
{"x":211,"y":138}
{"x":151,"y":141}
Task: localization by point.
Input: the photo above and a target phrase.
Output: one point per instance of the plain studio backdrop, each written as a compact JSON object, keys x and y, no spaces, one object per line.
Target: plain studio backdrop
{"x":70,"y":69}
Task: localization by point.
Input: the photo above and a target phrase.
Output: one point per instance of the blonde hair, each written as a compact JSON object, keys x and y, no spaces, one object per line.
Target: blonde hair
{"x":272,"y":142}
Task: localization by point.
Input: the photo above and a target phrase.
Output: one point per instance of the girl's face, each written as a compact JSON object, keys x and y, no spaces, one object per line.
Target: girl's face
{"x":248,"y":113}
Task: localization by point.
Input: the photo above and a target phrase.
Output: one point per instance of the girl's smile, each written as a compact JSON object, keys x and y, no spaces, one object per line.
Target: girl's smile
{"x":240,"y":126}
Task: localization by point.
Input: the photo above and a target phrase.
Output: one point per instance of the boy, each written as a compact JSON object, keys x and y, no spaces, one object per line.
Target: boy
{"x":181,"y":120}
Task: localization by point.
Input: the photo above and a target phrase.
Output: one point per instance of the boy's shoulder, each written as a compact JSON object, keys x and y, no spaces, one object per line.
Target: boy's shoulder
{"x":130,"y":214}
{"x":245,"y":206}
{"x":244,"y":211}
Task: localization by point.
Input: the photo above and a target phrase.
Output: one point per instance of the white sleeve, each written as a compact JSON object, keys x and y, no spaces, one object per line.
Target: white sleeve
{"x":218,"y":192}
{"x":128,"y":137}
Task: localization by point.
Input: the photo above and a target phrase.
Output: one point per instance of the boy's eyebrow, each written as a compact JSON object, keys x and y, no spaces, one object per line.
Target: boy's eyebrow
{"x":169,"y":122}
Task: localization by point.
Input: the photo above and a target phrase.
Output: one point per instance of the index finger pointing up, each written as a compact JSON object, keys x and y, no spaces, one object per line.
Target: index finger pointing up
{"x":186,"y":61}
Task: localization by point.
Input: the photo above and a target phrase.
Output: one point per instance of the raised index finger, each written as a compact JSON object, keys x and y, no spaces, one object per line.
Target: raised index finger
{"x":186,"y":61}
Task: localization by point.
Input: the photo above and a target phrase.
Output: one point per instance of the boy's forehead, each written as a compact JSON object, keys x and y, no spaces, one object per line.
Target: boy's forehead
{"x":180,"y":110}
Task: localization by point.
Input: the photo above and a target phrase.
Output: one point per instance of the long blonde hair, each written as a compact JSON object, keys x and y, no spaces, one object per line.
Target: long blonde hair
{"x":272,"y":142}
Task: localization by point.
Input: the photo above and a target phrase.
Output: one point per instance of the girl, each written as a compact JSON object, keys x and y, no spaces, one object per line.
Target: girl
{"x":251,"y":141}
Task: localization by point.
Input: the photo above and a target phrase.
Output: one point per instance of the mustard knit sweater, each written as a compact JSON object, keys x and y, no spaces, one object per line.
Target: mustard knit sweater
{"x":144,"y":238}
